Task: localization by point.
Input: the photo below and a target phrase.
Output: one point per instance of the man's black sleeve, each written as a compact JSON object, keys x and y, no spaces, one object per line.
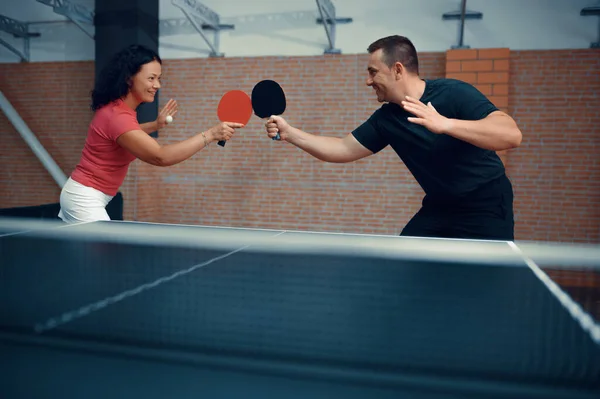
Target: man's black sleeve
{"x":369,"y":134}
{"x":470,"y":103}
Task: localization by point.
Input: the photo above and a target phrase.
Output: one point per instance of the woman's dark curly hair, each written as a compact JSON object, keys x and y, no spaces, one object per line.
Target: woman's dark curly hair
{"x":115,"y":78}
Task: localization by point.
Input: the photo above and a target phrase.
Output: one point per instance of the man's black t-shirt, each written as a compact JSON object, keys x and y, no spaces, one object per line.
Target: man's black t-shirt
{"x":446,"y":168}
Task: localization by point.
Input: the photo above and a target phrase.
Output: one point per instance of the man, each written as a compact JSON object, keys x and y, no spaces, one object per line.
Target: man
{"x":444,"y":130}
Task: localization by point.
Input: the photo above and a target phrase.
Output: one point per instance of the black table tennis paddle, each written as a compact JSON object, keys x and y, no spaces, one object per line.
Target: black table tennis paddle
{"x":268,"y":99}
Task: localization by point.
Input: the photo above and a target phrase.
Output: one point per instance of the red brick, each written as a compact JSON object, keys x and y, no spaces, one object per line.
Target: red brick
{"x":501,"y":65}
{"x":453,"y":66}
{"x":500,"y":89}
{"x":461,"y":54}
{"x":477,"y":66}
{"x":493,"y":53}
{"x":492,"y":77}
{"x":499,"y":101}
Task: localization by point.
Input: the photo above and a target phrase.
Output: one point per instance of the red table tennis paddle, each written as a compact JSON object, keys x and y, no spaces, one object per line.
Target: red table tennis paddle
{"x":268,"y":99}
{"x":235,"y":106}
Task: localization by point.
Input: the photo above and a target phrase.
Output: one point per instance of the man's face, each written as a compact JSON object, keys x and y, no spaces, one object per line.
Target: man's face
{"x":381,"y":77}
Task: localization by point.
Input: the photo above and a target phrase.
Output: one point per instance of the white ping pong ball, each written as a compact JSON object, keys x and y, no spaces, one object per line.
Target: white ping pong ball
{"x":169,"y":119}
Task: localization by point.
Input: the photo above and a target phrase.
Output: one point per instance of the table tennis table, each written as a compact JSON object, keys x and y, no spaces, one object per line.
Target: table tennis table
{"x":147,"y":310}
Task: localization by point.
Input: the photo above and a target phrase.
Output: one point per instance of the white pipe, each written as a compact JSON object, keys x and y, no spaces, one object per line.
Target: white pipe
{"x":32,"y":141}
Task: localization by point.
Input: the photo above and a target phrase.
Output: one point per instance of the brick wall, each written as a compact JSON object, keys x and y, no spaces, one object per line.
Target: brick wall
{"x":555,"y":98}
{"x":256,"y":182}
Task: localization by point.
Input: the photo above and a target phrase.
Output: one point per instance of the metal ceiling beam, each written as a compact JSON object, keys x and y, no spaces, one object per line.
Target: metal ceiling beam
{"x":329,"y":22}
{"x":462,"y":15}
{"x":19,"y":30}
{"x":183,"y":26}
{"x":202,"y":19}
{"x":79,"y":14}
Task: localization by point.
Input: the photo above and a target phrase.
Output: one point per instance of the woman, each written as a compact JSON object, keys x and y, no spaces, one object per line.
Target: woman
{"x":115,"y":138}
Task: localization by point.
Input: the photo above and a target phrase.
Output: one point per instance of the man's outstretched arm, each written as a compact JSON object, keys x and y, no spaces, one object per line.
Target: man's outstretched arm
{"x":327,"y":149}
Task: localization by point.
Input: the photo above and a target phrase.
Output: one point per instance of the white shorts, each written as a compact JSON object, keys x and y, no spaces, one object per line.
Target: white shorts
{"x":79,"y":203}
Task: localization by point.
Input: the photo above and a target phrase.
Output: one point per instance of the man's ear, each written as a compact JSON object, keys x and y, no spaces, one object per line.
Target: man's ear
{"x":399,"y":70}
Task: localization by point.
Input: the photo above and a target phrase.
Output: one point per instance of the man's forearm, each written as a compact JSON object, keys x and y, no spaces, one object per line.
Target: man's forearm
{"x":496,"y":132}
{"x":320,"y":147}
{"x":149,"y":127}
{"x":328,"y":149}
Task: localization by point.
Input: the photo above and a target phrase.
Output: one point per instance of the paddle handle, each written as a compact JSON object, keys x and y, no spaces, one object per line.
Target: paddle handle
{"x":278,"y":137}
{"x":221,"y":143}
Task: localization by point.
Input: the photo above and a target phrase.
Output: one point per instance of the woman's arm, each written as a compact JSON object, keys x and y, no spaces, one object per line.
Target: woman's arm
{"x":147,"y":149}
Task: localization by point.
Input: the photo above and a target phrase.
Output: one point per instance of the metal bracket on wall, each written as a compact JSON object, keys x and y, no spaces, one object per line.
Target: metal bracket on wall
{"x":203,"y":18}
{"x":76,"y":13}
{"x":593,"y":10}
{"x":329,"y":22}
{"x":462,"y":15}
{"x":19,"y":30}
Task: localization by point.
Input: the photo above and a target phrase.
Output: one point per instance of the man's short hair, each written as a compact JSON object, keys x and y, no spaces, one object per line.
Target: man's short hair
{"x":397,"y":49}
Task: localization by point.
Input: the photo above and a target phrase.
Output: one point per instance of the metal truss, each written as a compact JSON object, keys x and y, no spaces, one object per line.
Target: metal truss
{"x":79,"y":14}
{"x":19,"y":30}
{"x":183,"y":26}
{"x":198,"y":18}
{"x":202,"y":19}
{"x":176,"y":26}
{"x":329,"y":22}
{"x":462,"y":15}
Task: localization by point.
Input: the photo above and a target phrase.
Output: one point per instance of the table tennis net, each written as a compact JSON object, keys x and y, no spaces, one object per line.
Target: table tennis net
{"x":371,"y":304}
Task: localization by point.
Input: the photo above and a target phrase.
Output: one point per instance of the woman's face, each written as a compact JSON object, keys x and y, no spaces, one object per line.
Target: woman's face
{"x":146,"y":82}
